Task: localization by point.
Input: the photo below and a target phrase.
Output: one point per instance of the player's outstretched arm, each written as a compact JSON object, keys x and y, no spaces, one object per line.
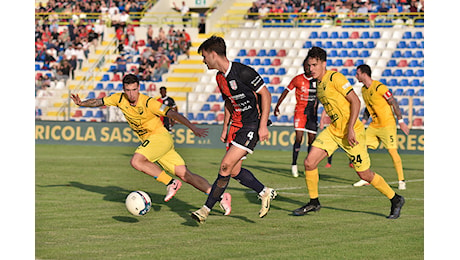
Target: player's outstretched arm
{"x":200,"y":132}
{"x":276,"y":111}
{"x":94,"y":102}
{"x":397,"y":111}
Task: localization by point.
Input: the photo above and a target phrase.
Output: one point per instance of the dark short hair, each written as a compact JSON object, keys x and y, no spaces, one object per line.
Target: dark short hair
{"x":130,"y":79}
{"x":163,"y":87}
{"x":364,"y":68}
{"x":317,"y":53}
{"x":214,"y":43}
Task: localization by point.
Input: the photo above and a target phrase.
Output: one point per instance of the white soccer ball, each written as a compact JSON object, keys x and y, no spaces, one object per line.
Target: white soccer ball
{"x":138,"y":203}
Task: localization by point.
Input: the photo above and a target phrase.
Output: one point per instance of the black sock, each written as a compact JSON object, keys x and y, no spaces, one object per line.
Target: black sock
{"x":246,"y":178}
{"x":218,"y":188}
{"x":295,"y":153}
{"x":329,"y":159}
{"x":314,"y":201}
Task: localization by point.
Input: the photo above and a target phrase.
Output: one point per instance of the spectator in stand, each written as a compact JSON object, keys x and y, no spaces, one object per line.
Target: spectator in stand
{"x":131,"y":34}
{"x":80,"y":53}
{"x":99,"y":29}
{"x":73,"y":65}
{"x":143,"y":65}
{"x":253,"y":12}
{"x":116,"y":20}
{"x":172,"y":56}
{"x":383,"y":8}
{"x":149,"y":33}
{"x":155,"y":43}
{"x":184,"y":10}
{"x":121,"y":65}
{"x":161,"y":68}
{"x":124,"y":19}
{"x":62,"y":70}
{"x":146,"y":76}
{"x":363,"y":8}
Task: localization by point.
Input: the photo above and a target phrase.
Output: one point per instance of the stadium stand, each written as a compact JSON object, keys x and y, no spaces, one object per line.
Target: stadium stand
{"x":275,"y":47}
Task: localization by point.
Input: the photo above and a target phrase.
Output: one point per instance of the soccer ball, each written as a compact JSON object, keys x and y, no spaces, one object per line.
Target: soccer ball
{"x":138,"y":203}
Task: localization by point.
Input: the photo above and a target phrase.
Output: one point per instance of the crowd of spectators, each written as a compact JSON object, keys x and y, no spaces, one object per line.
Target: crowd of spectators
{"x":155,"y":55}
{"x":263,"y":9}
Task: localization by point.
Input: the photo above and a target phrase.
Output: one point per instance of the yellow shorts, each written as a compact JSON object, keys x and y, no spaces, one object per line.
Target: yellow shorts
{"x":160,"y":148}
{"x":387,"y":135}
{"x":358,"y":154}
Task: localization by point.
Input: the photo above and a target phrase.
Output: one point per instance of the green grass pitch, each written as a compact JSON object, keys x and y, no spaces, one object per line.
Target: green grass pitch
{"x":80,"y":211}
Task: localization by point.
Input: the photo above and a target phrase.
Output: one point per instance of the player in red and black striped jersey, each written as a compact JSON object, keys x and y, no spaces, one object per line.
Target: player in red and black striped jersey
{"x":168,"y":101}
{"x":247,"y":103}
{"x":305,"y":113}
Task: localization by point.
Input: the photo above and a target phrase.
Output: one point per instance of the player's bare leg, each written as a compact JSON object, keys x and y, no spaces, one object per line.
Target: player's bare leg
{"x":193,"y":179}
{"x":141,"y":163}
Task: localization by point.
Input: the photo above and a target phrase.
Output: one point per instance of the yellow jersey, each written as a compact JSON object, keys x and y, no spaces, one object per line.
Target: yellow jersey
{"x":376,"y":97}
{"x":144,"y":118}
{"x":332,"y":92}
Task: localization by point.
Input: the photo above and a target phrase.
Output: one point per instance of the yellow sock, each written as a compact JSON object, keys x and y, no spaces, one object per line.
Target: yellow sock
{"x":312,"y":179}
{"x":397,"y":163}
{"x":164,"y":178}
{"x":381,"y":185}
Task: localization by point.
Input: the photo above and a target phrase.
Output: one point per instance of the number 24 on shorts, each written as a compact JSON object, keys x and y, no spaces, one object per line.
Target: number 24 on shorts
{"x":356,"y":159}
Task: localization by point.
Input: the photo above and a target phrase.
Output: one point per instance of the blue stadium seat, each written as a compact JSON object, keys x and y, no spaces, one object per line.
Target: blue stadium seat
{"x":329,"y":62}
{"x":359,"y":62}
{"x":99,"y":86}
{"x":261,"y":71}
{"x":404,"y":102}
{"x":142,"y":86}
{"x":418,"y":35}
{"x":351,"y":80}
{"x":271,"y":89}
{"x":314,"y":35}
{"x":418,"y":54}
{"x":399,"y":92}
{"x":370,"y":45}
{"x":413,"y":63}
{"x":392,"y":63}
{"x":344,"y":35}
{"x":281,"y":71}
{"x":328,"y":45}
{"x":91,"y":95}
{"x":333,"y":54}
{"x":421,"y":93}
{"x":307,"y":45}
{"x":319,"y":44}
{"x":99,"y":114}
{"x":393,"y":82}
{"x":262,"y":52}
{"x":212,"y":98}
{"x":273,"y":118}
{"x":407,"y":35}
{"x":404,"y":83}
{"x":354,"y":54}
{"x":242,"y":52}
{"x":190,"y":116}
{"x":407,"y":54}
{"x":365,"y":54}
{"x":420,"y":73}
{"x":349,"y":45}
{"x":272,"y":53}
{"x":421,"y":112}
{"x":396,"y":54}
{"x":343,"y":53}
{"x":386,"y":73}
{"x":416,"y":102}
{"x":105,"y":77}
{"x":409,"y":73}
{"x":279,"y":89}
{"x":412,"y":45}
{"x":397,"y":73}
{"x":246,"y":61}
{"x":401,"y":45}
{"x":415,"y":83}
{"x":88,"y":113}
{"x":344,"y":71}
{"x":256,"y":62}
{"x":237,"y":60}
{"x":339,"y":45}
{"x":375,"y":35}
{"x":338,"y":62}
{"x":365,"y":35}
{"x":334,"y":35}
{"x":210,"y":117}
{"x":205,"y":107}
{"x":271,"y":71}
{"x":266,"y":62}
{"x":275,"y":99}
{"x":324,"y":35}
{"x":266,"y":80}
{"x":199,"y":117}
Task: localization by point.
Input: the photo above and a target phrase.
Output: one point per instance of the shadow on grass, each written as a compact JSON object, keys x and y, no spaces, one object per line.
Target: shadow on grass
{"x":118,"y":194}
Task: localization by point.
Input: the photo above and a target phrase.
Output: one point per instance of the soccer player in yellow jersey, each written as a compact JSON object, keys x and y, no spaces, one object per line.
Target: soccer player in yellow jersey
{"x":342,"y":105}
{"x":143,"y":115}
{"x":381,"y":105}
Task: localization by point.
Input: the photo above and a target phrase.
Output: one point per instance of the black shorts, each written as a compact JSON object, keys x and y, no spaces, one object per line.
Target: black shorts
{"x":245,"y":137}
